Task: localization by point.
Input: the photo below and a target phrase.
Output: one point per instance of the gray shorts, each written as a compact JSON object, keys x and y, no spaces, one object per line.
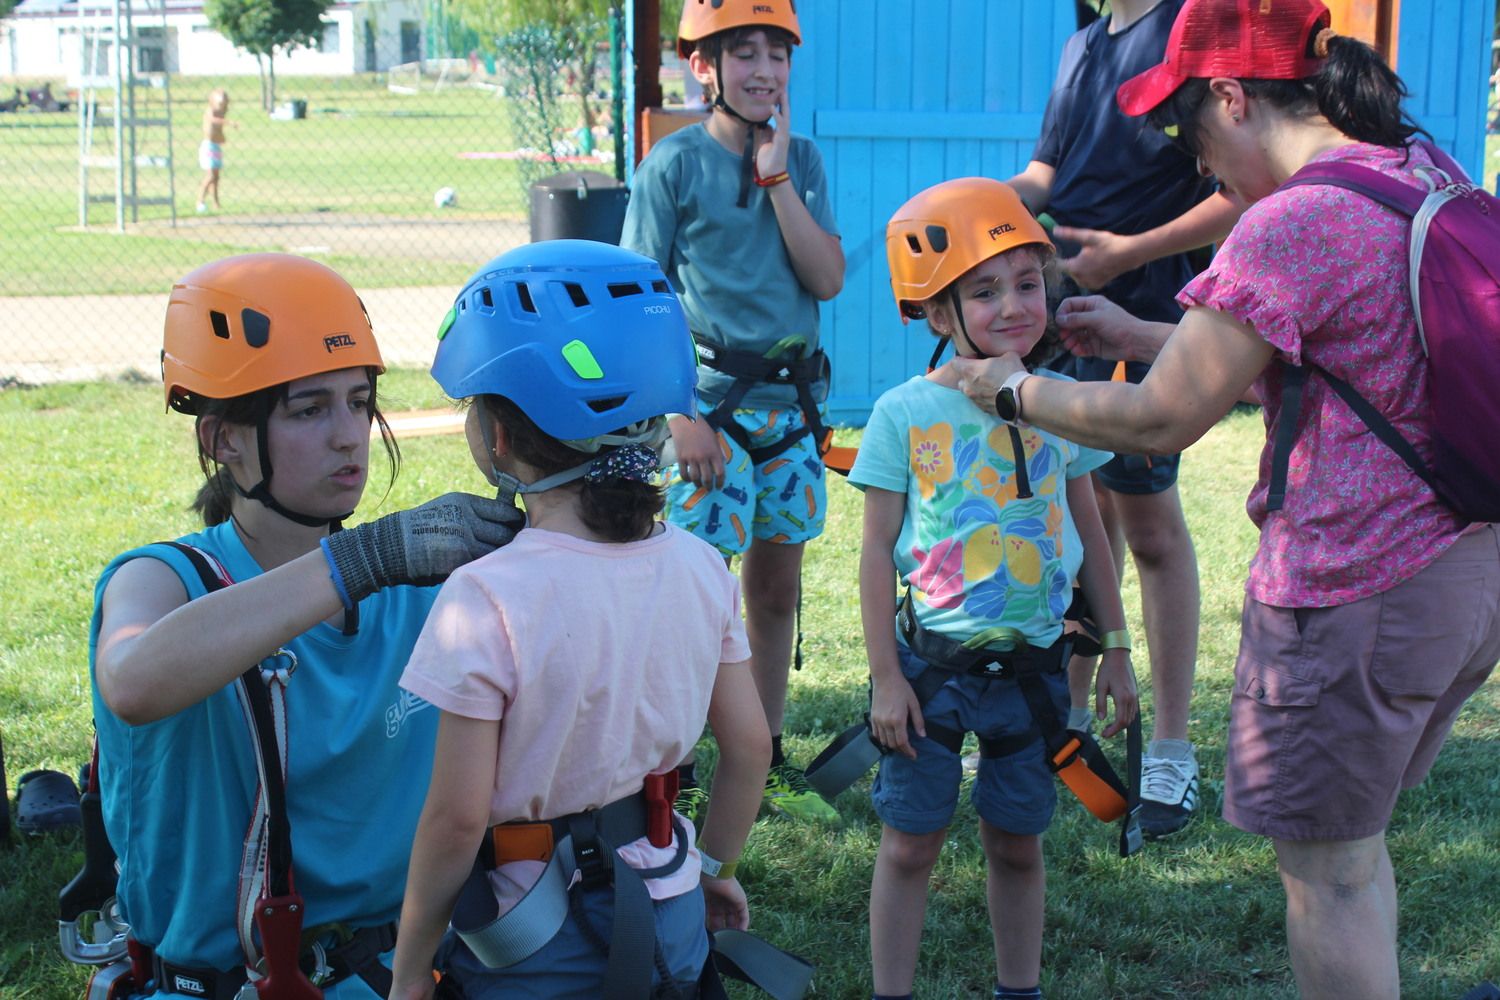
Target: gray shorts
{"x":1336,"y":710}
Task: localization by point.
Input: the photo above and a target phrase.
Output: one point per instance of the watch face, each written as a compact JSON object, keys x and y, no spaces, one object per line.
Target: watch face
{"x":1005,"y":404}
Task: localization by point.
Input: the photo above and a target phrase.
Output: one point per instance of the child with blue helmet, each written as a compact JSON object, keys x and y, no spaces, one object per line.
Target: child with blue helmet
{"x":737,"y":212}
{"x":573,"y":677}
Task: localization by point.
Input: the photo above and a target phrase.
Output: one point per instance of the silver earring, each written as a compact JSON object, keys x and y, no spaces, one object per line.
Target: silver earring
{"x":1236,"y":119}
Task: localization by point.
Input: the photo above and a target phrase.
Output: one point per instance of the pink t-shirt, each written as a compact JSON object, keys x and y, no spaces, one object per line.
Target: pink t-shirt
{"x":597,"y":659}
{"x":1321,"y":273}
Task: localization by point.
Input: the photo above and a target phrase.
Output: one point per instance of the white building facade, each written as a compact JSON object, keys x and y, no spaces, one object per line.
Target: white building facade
{"x":59,"y":38}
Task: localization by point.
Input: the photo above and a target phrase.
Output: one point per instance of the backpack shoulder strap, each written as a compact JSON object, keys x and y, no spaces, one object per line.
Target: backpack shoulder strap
{"x":1372,"y":184}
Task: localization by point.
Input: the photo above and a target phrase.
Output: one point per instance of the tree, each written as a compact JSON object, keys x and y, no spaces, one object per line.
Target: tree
{"x":6,"y":6}
{"x":260,"y":27}
{"x":574,"y":29}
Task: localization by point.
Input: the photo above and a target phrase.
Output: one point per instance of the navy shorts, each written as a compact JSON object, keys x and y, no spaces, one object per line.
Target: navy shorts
{"x":1015,"y":793}
{"x":1133,"y":474}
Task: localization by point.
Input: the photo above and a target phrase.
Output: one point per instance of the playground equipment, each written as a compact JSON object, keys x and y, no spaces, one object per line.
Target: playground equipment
{"x":111,"y":63}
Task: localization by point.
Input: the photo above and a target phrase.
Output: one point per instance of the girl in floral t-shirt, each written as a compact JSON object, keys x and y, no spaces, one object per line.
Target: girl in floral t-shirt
{"x":987,"y":523}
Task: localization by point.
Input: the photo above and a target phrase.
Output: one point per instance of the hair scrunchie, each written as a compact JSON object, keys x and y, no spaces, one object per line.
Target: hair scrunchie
{"x":1320,"y":42}
{"x":633,"y":462}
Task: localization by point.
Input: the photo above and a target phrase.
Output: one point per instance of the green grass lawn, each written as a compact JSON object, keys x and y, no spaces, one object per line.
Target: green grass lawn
{"x":362,"y":150}
{"x":93,"y":469}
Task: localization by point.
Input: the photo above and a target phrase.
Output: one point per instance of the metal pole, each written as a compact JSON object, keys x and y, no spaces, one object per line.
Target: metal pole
{"x":127,"y":47}
{"x":617,"y":85}
{"x":119,"y":76}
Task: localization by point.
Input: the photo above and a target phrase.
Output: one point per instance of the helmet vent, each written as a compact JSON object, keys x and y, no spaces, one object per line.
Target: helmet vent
{"x":661,"y":286}
{"x":621,"y":289}
{"x":576,"y":293}
{"x":937,"y":236}
{"x":220,"y":324}
{"x":914,"y":243}
{"x":523,"y":295}
{"x":484,"y":294}
{"x":257,"y":327}
{"x":607,"y":403}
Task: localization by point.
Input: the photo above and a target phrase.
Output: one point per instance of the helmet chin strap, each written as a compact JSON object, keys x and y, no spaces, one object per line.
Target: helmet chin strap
{"x":650,"y":432}
{"x":261,"y":491}
{"x":958,"y":312}
{"x":747,"y":159}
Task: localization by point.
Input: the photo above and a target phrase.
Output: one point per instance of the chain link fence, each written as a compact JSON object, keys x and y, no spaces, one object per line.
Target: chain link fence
{"x":399,"y":150}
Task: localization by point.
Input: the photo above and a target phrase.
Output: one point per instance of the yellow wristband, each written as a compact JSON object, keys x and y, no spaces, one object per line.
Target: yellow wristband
{"x":1115,"y":638}
{"x":714,"y":868}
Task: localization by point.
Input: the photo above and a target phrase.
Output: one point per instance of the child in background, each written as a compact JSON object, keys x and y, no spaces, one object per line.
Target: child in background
{"x":738,"y":215}
{"x":573,"y":678}
{"x":987,"y":524}
{"x":211,"y":149}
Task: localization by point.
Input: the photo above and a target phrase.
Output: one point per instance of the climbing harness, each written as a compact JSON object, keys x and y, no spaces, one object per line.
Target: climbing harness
{"x":270,"y":910}
{"x":580,"y":854}
{"x":781,"y":365}
{"x":1003,"y":654}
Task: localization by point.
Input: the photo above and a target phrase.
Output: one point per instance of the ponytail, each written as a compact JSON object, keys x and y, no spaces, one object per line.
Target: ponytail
{"x":1361,"y":96}
{"x":1354,"y":90}
{"x":214,"y":498}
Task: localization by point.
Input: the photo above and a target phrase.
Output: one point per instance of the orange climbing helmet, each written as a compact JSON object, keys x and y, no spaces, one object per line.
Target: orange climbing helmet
{"x":701,"y":18}
{"x":949,"y":228}
{"x":250,"y":322}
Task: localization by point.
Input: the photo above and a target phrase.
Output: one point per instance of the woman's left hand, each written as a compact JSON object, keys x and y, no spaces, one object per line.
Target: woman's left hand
{"x":981,"y":378}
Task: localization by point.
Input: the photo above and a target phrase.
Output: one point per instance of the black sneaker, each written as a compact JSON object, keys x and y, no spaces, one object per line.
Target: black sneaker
{"x":1169,"y":795}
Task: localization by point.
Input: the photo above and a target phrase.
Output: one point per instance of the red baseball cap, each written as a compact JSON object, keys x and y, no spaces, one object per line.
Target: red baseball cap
{"x":1244,"y":39}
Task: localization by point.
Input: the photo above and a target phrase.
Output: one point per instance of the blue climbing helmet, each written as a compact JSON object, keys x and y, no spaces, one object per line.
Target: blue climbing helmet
{"x":588,"y":339}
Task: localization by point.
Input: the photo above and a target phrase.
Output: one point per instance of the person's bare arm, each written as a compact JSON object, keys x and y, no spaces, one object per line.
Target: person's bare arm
{"x":1207,"y":364}
{"x":1104,"y":256}
{"x":817,"y":255}
{"x":1034,"y":185}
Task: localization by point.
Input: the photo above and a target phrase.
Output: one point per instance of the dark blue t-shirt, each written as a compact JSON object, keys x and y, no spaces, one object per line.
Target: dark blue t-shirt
{"x":1113,"y":172}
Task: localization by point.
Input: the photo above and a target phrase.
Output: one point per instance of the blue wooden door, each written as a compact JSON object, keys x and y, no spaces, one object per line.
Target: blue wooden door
{"x":1443,"y":55}
{"x":899,"y":95}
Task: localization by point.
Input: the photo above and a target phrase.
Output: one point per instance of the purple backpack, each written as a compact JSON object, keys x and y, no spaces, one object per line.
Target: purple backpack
{"x":1455,"y":290}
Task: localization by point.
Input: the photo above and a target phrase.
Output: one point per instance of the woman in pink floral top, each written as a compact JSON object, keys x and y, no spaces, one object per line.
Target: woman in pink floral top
{"x":1372,"y":610}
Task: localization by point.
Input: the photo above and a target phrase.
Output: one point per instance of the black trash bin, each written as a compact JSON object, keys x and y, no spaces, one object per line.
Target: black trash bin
{"x":578,"y":205}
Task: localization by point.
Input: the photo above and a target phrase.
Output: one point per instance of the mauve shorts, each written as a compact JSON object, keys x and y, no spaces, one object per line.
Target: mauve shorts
{"x":1335,"y":710}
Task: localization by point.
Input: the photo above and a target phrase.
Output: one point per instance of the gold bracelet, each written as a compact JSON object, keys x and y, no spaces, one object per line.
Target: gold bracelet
{"x":1115,"y":638}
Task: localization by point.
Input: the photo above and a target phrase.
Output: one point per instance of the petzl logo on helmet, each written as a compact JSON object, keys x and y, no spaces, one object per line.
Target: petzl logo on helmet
{"x":338,"y":342}
{"x":656,"y":310}
{"x":1001,"y":230}
{"x":762,"y":8}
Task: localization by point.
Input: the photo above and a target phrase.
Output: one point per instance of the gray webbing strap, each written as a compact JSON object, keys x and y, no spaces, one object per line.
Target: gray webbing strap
{"x":502,"y":940}
{"x":843,"y":762}
{"x":744,"y":956}
{"x":632,"y":940}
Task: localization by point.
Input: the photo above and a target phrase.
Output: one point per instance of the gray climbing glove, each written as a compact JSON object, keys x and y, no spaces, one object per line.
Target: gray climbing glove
{"x":420,"y":546}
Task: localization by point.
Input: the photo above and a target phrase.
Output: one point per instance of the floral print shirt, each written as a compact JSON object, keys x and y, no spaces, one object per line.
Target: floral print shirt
{"x":975,"y":555}
{"x":1321,"y":275}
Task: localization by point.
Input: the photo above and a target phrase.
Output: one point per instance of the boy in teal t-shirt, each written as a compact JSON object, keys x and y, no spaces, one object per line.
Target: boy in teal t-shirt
{"x":987,"y":523}
{"x":738,"y":215}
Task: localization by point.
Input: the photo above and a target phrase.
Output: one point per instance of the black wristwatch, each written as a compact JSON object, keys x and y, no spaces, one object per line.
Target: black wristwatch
{"x":1008,"y":399}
